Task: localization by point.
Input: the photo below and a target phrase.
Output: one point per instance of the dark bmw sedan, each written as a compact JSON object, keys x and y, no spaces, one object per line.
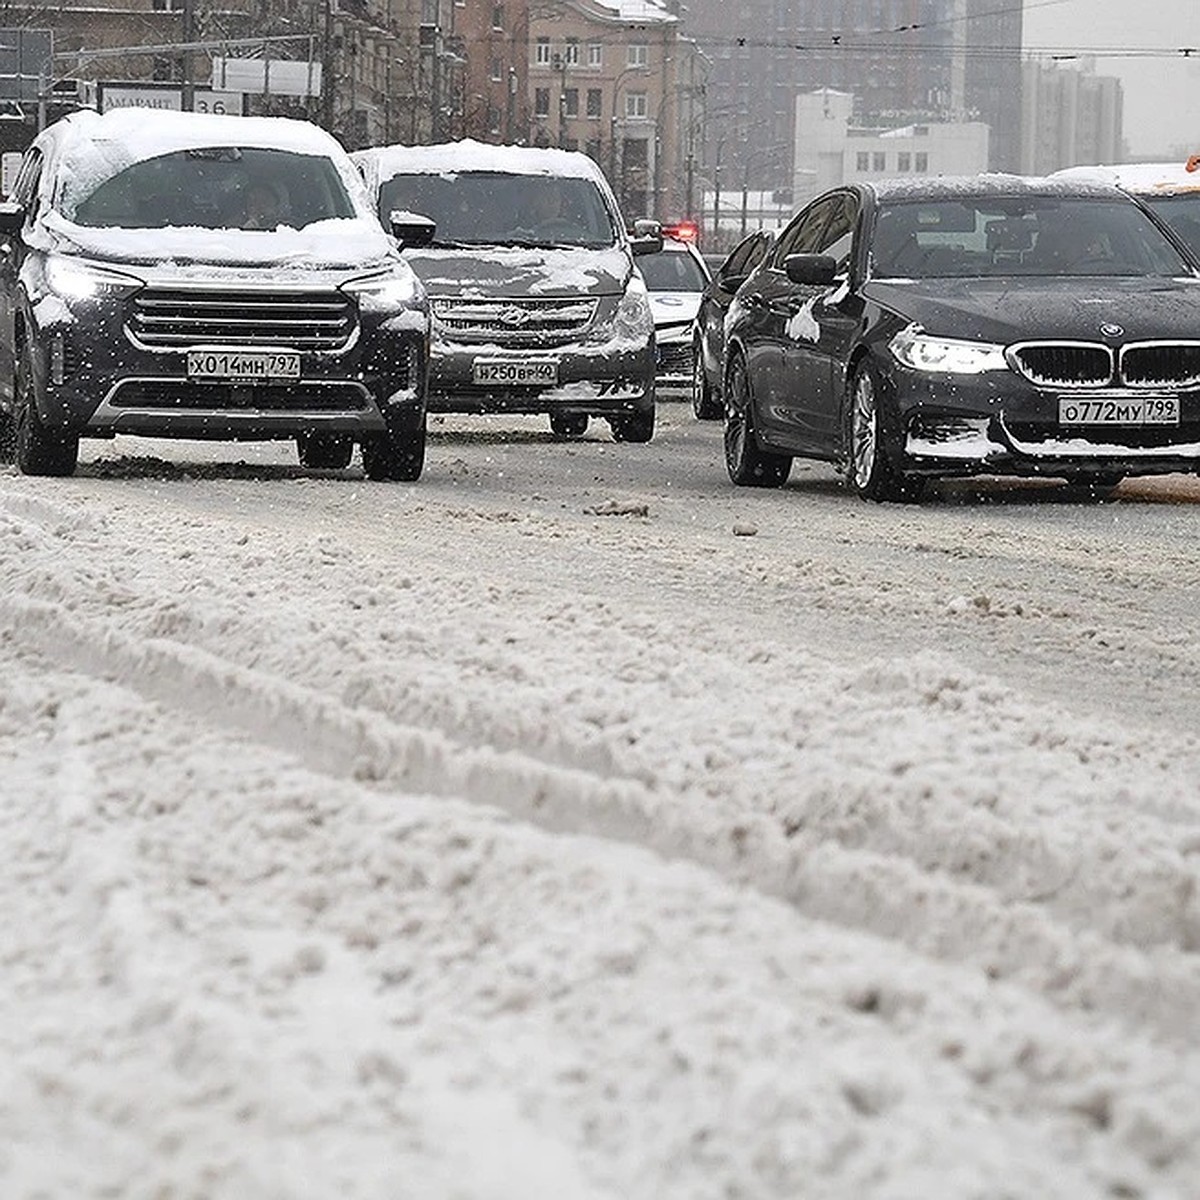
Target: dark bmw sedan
{"x":948,"y":327}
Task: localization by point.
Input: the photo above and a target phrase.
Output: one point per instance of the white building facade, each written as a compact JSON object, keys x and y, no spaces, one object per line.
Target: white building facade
{"x":830,"y":151}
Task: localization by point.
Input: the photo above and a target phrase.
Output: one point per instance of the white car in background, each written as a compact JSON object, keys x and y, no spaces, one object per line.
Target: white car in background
{"x":1170,"y":190}
{"x":675,"y":278}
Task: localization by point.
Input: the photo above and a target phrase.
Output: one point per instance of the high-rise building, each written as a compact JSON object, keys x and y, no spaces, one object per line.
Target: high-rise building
{"x":902,"y":60}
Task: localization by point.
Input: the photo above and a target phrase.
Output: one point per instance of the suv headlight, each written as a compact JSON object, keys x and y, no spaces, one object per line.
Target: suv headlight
{"x":950,"y":356}
{"x":634,"y":320}
{"x":385,"y":292}
{"x":75,"y":280}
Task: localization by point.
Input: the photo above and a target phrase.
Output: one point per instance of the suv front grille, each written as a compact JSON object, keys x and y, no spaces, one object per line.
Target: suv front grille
{"x":516,"y":320}
{"x":179,"y":394}
{"x":302,"y":320}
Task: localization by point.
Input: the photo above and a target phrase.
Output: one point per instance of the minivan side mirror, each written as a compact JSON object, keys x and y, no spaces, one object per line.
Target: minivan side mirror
{"x":810,"y":268}
{"x":411,"y":229}
{"x":12,"y":216}
{"x":647,"y":236}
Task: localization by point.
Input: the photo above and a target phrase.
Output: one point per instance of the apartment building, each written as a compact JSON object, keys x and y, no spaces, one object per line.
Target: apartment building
{"x":615,"y":79}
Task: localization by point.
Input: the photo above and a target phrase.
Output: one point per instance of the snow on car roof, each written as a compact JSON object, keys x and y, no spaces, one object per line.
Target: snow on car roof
{"x":450,"y":158}
{"x":944,"y":187}
{"x":1142,"y":178}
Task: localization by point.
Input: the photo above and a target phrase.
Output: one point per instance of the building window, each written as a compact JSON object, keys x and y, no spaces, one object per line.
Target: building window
{"x":571,"y":52}
{"x":497,"y":70}
{"x":541,"y":102}
{"x":862,"y":162}
{"x":922,"y":162}
{"x":904,"y":161}
{"x":635,"y":104}
{"x":595,"y":102}
{"x":595,"y":54}
{"x":636,"y":56}
{"x":592,"y":149}
{"x":571,"y":102}
{"x":569,"y":143}
{"x":541,"y":52}
{"x":497,"y":16}
{"x":879,"y":162}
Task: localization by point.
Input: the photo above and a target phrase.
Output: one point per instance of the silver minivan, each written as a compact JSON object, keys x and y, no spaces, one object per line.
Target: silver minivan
{"x":537,"y":307}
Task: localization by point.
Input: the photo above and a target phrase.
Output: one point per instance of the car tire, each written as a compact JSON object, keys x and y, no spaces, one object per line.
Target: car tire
{"x":568,"y":425}
{"x":747,"y":464}
{"x":38,"y":451}
{"x":704,"y":403}
{"x":329,"y":452}
{"x":633,"y":427}
{"x":869,"y":467}
{"x":397,"y":456}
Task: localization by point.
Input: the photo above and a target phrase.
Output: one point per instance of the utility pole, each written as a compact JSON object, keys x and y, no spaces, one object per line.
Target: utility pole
{"x":187,"y":89}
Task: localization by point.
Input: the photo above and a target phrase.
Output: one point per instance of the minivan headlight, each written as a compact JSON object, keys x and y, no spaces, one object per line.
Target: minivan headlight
{"x":951,"y":356}
{"x":634,"y":319}
{"x":75,"y":280}
{"x":385,"y":292}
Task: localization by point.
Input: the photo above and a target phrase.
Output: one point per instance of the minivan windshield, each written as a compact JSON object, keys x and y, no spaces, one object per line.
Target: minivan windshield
{"x":215,"y":187}
{"x":495,"y":208}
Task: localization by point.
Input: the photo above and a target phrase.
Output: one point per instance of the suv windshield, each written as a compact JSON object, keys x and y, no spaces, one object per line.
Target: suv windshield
{"x":1027,"y":235}
{"x":218,"y":187}
{"x":489,"y":208}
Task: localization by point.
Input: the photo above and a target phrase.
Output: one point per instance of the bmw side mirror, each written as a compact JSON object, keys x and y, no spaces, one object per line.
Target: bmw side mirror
{"x":810,"y":268}
{"x":411,"y":229}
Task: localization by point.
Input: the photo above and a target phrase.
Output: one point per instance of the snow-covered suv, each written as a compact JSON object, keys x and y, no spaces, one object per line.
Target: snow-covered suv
{"x":183,"y":275}
{"x":536,"y":304}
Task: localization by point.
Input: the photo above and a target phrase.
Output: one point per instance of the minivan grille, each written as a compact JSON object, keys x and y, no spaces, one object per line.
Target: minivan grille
{"x":515,"y":319}
{"x":1161,"y":364}
{"x":302,"y":320}
{"x":1064,"y":364}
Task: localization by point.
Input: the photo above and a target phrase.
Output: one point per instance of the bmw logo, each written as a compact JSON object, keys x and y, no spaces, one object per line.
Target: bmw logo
{"x":1111,"y":330}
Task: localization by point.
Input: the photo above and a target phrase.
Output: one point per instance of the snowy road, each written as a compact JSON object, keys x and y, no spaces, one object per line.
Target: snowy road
{"x":465,"y":841}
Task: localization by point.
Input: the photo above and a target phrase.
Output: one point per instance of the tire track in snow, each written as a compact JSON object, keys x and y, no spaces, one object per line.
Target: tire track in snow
{"x":875,"y":893}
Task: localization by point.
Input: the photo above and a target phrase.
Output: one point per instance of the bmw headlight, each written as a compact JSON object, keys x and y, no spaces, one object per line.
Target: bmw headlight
{"x":634,"y":319}
{"x":75,"y":280}
{"x":950,"y":356}
{"x":385,"y":292}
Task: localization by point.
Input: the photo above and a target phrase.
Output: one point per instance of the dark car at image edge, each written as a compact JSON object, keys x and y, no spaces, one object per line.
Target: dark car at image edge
{"x":911,"y":330}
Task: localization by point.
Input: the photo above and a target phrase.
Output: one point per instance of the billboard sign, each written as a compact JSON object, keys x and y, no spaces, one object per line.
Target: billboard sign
{"x":170,"y":95}
{"x":268,"y":76}
{"x":25,"y":54}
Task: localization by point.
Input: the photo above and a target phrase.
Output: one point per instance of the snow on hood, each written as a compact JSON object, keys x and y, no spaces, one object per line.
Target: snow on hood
{"x":338,"y":242}
{"x":670,"y":308}
{"x":451,"y":158}
{"x":1005,"y":310}
{"x":489,"y":271}
{"x":1140,"y":178}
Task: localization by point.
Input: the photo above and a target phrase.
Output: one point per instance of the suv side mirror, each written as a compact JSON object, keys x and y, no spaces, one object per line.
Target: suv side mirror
{"x":411,"y":229}
{"x":810,"y":268}
{"x":12,"y":217}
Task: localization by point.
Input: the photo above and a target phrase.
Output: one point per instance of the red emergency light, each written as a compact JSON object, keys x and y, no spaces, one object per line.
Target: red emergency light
{"x":682,"y":231}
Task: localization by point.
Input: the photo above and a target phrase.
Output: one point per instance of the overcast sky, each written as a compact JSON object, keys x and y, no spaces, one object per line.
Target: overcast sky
{"x":1162,"y":94}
